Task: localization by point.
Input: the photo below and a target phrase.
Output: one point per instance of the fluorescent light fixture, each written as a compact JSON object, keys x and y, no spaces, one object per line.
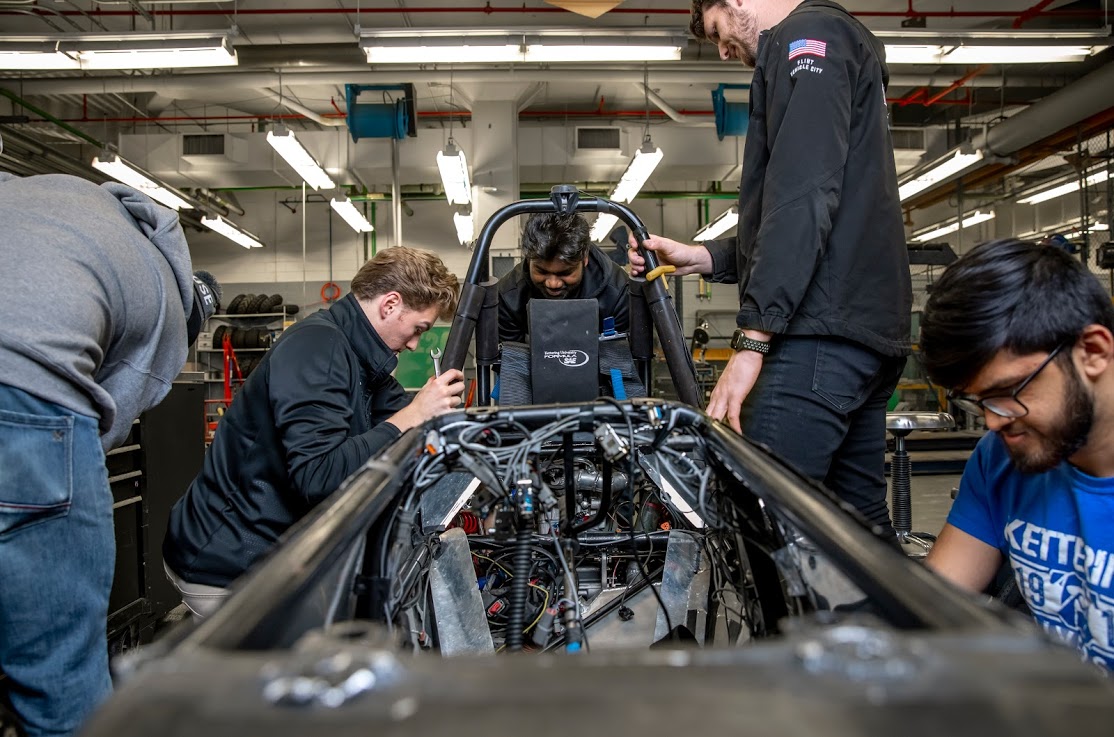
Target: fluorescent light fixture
{"x":442,"y":53}
{"x":1079,"y":232}
{"x":590,"y":51}
{"x":645,"y":160}
{"x":719,"y":226}
{"x":283,"y":140}
{"x":601,"y":228}
{"x":465,"y":227}
{"x":1072,"y":225}
{"x":31,"y":55}
{"x":133,"y":176}
{"x":453,"y":165}
{"x":973,"y":219}
{"x":1099,"y":228}
{"x":932,"y":55}
{"x":231,"y":231}
{"x":508,"y":45}
{"x":351,"y":215}
{"x":1063,"y":189}
{"x":99,"y":51}
{"x":939,"y":172}
{"x":1016,"y":54}
{"x":911,"y":46}
{"x":912,"y":54}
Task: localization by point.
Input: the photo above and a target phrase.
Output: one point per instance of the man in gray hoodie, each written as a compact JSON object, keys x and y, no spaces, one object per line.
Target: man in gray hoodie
{"x":98,"y":307}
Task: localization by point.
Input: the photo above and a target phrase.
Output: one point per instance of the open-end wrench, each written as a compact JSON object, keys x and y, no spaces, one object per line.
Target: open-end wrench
{"x":435,"y":354}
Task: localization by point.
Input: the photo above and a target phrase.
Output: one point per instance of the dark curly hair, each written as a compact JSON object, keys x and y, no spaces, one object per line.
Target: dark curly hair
{"x":1007,"y":294}
{"x":550,"y":235}
{"x":696,"y":23}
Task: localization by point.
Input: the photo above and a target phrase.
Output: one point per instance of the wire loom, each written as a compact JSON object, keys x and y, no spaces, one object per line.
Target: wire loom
{"x":528,"y":557}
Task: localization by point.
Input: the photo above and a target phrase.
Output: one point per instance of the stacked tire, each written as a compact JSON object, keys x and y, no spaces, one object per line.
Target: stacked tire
{"x":259,"y":304}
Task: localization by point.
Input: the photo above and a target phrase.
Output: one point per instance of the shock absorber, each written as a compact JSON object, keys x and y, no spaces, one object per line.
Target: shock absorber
{"x":900,"y":472}
{"x":469,"y":522}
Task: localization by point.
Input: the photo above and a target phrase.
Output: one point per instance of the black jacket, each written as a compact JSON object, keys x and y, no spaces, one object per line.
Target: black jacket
{"x":307,"y":418}
{"x":604,"y":280}
{"x":821,"y":244}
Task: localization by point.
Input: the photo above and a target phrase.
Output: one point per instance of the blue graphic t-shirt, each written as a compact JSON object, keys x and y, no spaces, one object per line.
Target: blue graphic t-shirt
{"x":1057,"y":528}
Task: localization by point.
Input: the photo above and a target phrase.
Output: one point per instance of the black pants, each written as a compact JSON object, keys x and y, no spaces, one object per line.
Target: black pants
{"x":820,"y":405}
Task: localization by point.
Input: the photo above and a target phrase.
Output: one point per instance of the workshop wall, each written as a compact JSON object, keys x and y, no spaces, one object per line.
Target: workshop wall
{"x":277,"y":268}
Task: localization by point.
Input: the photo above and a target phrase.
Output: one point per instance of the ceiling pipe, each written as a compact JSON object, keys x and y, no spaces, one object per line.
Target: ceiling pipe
{"x":1085,"y":99}
{"x":669,"y":110}
{"x":522,"y":10}
{"x":427,"y":115}
{"x":529,"y":192}
{"x":185,"y":85}
{"x":1080,"y":100}
{"x":42,"y":113}
{"x":29,"y":152}
{"x":303,"y":110}
{"x":1030,"y":13}
{"x":961,"y":82}
{"x":526,"y":99}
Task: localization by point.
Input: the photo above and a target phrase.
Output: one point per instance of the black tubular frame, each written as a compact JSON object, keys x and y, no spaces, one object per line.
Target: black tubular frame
{"x":565,"y":198}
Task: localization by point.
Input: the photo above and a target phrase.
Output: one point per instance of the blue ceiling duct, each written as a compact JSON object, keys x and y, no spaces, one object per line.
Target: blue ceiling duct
{"x":732,"y":118}
{"x":391,"y":116}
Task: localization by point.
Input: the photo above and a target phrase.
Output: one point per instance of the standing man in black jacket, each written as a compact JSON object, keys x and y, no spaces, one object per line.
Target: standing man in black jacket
{"x":560,"y":262}
{"x":321,"y":403}
{"x":820,"y":258}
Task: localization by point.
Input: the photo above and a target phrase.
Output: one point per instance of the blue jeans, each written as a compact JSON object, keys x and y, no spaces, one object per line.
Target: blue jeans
{"x":57,"y":551}
{"x":820,"y":405}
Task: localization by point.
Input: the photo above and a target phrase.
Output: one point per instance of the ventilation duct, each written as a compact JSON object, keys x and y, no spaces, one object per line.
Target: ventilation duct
{"x":604,"y":139}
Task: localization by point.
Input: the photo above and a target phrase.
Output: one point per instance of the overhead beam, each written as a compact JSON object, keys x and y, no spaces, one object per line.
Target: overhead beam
{"x":187,"y":85}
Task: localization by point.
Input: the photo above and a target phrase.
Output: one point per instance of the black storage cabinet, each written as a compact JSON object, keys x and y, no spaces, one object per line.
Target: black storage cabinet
{"x":148,"y":474}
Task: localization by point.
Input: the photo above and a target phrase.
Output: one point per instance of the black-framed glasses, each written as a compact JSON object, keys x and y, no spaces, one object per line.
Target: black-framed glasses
{"x":1005,"y":405}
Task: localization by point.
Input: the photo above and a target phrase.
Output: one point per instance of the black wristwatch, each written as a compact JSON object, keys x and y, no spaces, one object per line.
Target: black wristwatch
{"x":740,"y":342}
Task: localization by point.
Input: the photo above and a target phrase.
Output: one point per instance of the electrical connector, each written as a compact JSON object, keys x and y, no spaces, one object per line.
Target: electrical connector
{"x":614,"y":447}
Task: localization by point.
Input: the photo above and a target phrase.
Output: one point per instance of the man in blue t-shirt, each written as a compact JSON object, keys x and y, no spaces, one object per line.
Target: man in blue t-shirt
{"x":1022,"y":334}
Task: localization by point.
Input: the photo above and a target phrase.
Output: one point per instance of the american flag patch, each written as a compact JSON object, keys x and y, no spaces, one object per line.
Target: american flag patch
{"x":808,"y":46}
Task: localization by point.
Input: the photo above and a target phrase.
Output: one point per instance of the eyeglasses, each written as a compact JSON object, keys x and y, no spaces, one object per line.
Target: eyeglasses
{"x":1005,"y":405}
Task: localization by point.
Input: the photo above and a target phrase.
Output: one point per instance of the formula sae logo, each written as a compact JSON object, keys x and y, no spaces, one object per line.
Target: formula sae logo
{"x":568,"y":358}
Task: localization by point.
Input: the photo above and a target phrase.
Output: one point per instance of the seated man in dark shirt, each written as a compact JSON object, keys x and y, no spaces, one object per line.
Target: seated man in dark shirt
{"x":321,"y":403}
{"x":559,"y":262}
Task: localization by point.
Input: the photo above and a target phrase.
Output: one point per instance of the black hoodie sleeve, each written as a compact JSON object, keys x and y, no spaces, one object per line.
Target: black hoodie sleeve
{"x":389,"y":397}
{"x":808,"y":111}
{"x":724,"y":253}
{"x":311,"y":396}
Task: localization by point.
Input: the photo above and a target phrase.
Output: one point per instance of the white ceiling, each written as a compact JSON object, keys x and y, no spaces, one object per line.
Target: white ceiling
{"x":306,"y":50}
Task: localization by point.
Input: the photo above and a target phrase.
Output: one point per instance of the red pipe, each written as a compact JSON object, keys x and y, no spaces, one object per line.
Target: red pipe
{"x":956,"y":85}
{"x":974,"y":14}
{"x":912,"y":97}
{"x":599,"y":112}
{"x":489,"y":10}
{"x":193,"y":118}
{"x":1031,"y":13}
{"x":440,"y":115}
{"x":967,"y":101}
